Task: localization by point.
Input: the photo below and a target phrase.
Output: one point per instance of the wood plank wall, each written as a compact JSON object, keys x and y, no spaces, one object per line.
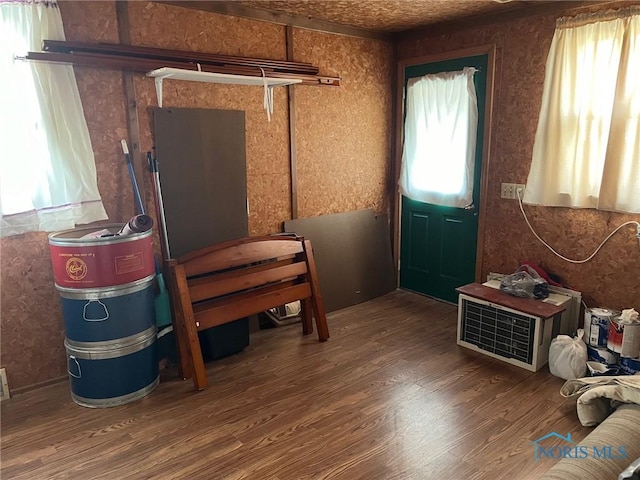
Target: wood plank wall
{"x":330,"y":133}
{"x":611,"y":279}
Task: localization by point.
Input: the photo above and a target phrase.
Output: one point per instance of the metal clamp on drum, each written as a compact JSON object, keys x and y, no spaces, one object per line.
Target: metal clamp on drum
{"x":104,"y":307}
{"x":79,"y":375}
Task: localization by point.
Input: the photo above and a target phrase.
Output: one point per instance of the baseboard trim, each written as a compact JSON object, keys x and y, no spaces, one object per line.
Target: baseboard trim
{"x":35,"y":386}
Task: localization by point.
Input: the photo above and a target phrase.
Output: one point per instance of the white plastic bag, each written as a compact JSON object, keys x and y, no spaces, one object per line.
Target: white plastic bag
{"x":568,"y":356}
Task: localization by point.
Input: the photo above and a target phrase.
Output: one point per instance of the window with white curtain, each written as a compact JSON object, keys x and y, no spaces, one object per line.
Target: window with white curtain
{"x":587,"y":145}
{"x":440,"y":138}
{"x":47,"y":168}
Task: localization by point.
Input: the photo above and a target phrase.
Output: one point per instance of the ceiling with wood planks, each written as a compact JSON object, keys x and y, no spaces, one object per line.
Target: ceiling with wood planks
{"x":386,"y":15}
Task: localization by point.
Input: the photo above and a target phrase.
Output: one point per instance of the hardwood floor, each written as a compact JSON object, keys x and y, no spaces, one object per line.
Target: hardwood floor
{"x":389,"y":396}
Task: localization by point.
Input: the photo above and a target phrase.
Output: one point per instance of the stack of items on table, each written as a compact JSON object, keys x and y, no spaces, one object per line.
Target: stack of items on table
{"x":613,"y":341}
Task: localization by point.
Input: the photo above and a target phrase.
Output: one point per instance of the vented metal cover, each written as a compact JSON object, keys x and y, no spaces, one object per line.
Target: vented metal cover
{"x":500,"y":332}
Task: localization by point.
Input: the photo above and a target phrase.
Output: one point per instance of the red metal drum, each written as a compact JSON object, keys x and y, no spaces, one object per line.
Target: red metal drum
{"x":100,"y":262}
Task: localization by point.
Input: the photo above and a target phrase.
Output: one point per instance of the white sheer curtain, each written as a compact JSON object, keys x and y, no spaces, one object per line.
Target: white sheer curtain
{"x":587,"y":146}
{"x":440,"y":139}
{"x":47,"y":169}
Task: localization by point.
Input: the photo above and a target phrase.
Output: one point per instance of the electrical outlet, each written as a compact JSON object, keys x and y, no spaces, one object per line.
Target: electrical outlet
{"x":4,"y":385}
{"x":508,"y":190}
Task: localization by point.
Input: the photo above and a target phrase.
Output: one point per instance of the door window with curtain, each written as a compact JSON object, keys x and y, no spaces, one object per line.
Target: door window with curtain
{"x":47,"y":168}
{"x":587,"y":145}
{"x":440,"y":138}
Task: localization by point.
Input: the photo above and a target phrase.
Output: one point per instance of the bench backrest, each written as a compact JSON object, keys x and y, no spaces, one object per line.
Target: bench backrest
{"x":232,"y":280}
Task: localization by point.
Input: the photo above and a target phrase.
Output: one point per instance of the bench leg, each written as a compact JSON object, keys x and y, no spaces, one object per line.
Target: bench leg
{"x":321,"y":321}
{"x":185,"y":367}
{"x":306,"y":314}
{"x":199,"y":371}
{"x":191,"y":354}
{"x":316,"y":298}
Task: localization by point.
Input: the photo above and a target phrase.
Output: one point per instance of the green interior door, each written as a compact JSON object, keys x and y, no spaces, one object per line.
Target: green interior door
{"x":438,"y":244}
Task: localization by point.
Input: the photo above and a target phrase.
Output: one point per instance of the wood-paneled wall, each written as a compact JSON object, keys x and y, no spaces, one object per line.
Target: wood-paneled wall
{"x":343,"y":136}
{"x":325,"y":137}
{"x":611,"y":279}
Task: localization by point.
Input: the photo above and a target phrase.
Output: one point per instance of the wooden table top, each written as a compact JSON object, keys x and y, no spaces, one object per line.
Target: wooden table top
{"x":529,"y":306}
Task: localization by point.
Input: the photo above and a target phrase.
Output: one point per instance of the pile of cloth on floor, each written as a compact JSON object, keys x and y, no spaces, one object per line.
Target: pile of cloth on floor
{"x":597,"y":397}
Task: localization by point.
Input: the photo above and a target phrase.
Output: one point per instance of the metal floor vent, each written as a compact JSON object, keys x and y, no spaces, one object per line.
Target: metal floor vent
{"x":503,"y":333}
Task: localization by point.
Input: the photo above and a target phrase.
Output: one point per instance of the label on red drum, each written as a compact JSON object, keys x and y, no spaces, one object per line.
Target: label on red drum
{"x":129,"y":263}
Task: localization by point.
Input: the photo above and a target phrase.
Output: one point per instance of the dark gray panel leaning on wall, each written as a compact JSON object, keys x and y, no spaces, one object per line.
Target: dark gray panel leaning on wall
{"x":353,"y":255}
{"x":202,"y":164}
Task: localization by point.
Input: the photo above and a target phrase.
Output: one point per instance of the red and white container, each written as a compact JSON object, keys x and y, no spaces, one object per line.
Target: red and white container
{"x":624,"y":338}
{"x":100,"y":262}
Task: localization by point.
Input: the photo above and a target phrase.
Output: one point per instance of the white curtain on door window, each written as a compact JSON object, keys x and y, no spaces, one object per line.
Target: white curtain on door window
{"x":587,"y":146}
{"x":48,"y":174}
{"x":440,"y":139}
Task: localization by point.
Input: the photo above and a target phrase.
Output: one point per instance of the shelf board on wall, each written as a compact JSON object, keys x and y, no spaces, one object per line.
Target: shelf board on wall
{"x":212,"y":77}
{"x":167,"y":73}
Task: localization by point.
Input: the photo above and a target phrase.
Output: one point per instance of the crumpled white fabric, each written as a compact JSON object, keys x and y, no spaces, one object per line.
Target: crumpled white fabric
{"x":599,"y":396}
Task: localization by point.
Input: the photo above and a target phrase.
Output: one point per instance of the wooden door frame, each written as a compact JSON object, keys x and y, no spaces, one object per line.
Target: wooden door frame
{"x":396,"y":203}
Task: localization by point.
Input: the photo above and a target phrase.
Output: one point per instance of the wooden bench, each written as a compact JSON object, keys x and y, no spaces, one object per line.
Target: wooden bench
{"x":232,"y":280}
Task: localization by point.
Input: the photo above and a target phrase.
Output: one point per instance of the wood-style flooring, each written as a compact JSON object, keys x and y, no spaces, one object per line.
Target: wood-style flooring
{"x":389,"y":396}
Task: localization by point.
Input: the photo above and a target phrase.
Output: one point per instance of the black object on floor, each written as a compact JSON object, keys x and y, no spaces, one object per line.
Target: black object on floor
{"x":224,"y":340}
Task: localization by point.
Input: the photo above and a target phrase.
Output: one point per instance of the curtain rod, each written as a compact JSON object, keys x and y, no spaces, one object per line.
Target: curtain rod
{"x":602,"y":16}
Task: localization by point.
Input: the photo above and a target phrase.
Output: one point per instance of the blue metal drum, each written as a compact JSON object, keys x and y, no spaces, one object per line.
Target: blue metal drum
{"x":101,"y":315}
{"x":113,"y":373}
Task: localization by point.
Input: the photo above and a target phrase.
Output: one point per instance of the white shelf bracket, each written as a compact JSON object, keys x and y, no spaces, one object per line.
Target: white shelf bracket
{"x":159,"y":90}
